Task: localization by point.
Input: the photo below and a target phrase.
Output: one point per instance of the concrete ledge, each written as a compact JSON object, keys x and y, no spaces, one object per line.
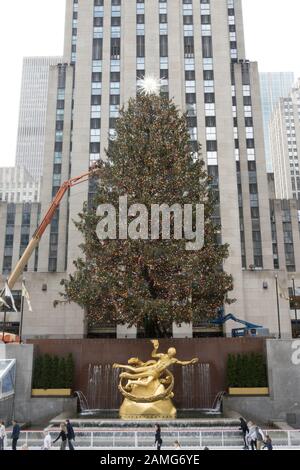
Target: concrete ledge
{"x":43,"y":409}
{"x":258,"y":409}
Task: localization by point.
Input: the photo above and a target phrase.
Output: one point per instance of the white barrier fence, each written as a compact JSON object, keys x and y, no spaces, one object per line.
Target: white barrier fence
{"x":135,"y":439}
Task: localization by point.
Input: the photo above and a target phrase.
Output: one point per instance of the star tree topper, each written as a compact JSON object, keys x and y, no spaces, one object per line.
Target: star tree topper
{"x":149,"y":85}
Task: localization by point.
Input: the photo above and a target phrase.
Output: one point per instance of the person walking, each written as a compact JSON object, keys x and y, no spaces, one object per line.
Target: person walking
{"x":245,"y":430}
{"x":268,"y":443}
{"x":2,"y":435}
{"x":252,"y":436}
{"x":260,"y":438}
{"x":158,"y":439}
{"x":177,"y":445}
{"x":70,"y":435}
{"x":15,"y":435}
{"x":63,"y":436}
{"x":47,"y":440}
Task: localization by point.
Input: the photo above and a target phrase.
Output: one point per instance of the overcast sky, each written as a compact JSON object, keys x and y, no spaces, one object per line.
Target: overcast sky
{"x":36,"y":27}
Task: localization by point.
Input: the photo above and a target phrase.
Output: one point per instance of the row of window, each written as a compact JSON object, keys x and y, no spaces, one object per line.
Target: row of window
{"x":10,"y":238}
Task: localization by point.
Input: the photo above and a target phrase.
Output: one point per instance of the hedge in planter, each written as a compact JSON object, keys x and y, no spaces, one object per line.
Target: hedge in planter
{"x":246,"y":371}
{"x":51,"y":372}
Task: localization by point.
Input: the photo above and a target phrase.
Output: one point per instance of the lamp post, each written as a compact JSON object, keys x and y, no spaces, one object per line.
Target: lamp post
{"x":278,"y":308}
{"x":5,"y":309}
{"x":295,"y":304}
{"x":22,"y":313}
{"x":4,"y":322}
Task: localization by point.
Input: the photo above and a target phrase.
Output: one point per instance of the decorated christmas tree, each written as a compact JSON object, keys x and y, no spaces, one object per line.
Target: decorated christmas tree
{"x":152,"y":282}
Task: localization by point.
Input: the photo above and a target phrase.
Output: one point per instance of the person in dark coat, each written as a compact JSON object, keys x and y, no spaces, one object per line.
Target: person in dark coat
{"x":63,"y":436}
{"x":15,"y":435}
{"x":268,"y":443}
{"x":245,"y":430}
{"x":158,"y":439}
{"x":70,"y":435}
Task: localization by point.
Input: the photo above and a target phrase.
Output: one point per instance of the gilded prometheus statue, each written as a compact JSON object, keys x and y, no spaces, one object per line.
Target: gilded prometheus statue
{"x":148,"y":386}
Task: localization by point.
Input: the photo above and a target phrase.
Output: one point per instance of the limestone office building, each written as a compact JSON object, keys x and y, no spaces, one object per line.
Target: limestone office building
{"x":197,"y":48}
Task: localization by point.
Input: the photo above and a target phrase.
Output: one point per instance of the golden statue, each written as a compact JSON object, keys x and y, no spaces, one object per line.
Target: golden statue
{"x":148,"y":390}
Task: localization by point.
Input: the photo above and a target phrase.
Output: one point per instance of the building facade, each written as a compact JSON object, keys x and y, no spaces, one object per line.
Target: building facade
{"x":273,"y":86}
{"x":197,"y":48}
{"x":20,"y":222}
{"x":17,"y":185}
{"x":285,"y":145}
{"x":32,"y":115}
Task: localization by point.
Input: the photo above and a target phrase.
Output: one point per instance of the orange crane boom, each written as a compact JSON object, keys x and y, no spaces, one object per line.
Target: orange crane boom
{"x":18,"y":270}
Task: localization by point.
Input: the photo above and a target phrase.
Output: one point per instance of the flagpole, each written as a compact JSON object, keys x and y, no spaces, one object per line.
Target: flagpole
{"x":296,"y":314}
{"x":4,"y":318}
{"x":278,"y":308}
{"x":4,"y":322}
{"x":22,"y":312}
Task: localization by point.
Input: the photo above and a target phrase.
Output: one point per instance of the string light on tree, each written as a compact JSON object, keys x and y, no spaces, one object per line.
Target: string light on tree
{"x":150,"y":284}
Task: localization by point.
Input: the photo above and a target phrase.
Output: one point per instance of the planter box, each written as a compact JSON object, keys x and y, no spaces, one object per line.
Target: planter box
{"x":259,"y":391}
{"x":51,"y":392}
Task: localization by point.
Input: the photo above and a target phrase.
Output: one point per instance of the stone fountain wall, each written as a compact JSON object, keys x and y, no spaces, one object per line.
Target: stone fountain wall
{"x":195,"y":386}
{"x":192,"y":386}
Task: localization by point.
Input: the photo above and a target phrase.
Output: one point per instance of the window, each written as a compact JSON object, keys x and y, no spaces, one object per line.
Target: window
{"x":188,"y":47}
{"x":163,"y":46}
{"x":115,"y":48}
{"x":140,"y":46}
{"x":207,"y":46}
{"x":97,"y":48}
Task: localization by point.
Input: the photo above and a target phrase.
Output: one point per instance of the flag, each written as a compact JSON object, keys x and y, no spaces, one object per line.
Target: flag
{"x":25,"y":294}
{"x":2,"y":302}
{"x":9,"y":295}
{"x":283,"y":293}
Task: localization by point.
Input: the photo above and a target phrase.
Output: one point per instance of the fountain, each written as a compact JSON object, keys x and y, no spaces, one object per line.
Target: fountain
{"x":197,"y":381}
{"x":200,"y":405}
{"x":83,"y":403}
{"x":102,"y":387}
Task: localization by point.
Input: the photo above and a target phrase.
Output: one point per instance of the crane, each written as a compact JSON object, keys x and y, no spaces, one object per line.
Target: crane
{"x":223,"y":319}
{"x":19,"y":268}
{"x":250,"y":329}
{"x":32,"y":245}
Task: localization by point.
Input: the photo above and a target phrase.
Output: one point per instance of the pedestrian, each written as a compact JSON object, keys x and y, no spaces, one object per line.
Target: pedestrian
{"x":260,"y":438}
{"x":70,"y":435}
{"x":245,"y":430}
{"x":158,"y":439}
{"x":177,"y":445}
{"x":47,"y":440}
{"x":15,"y":434}
{"x":63,"y":436}
{"x":268,"y":443}
{"x":252,"y":436}
{"x":2,"y":435}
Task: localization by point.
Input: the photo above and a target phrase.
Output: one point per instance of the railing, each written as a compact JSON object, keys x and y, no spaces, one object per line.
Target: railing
{"x":135,"y":439}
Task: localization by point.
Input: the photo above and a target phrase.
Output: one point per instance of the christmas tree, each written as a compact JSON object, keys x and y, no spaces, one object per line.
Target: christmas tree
{"x":150,"y":283}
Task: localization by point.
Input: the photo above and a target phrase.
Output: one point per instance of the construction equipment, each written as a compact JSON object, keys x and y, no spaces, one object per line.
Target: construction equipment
{"x":19,"y":268}
{"x":251,"y":329}
{"x":44,"y":224}
{"x":9,"y":338}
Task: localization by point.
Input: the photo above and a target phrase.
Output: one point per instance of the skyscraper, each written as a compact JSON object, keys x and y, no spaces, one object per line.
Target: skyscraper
{"x":32,"y":115}
{"x":16,"y":185}
{"x":197,"y":48}
{"x":273,"y":86}
{"x":285,"y":145}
